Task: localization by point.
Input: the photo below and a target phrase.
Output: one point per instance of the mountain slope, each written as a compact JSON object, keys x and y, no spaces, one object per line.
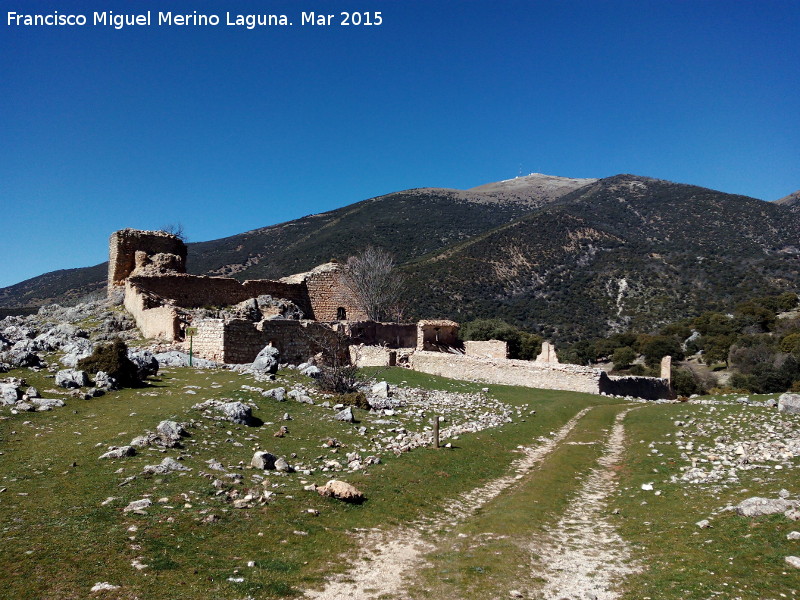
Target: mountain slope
{"x":792,"y":201}
{"x":622,"y":252}
{"x":408,"y":224}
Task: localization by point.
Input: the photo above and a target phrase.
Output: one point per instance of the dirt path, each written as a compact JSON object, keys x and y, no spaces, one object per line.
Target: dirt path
{"x":585,"y":558}
{"x":386,"y":558}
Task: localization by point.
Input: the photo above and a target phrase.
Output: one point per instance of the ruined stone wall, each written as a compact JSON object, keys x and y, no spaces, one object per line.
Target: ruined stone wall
{"x":239,"y":341}
{"x":123,"y":245}
{"x":649,"y":388}
{"x":153,"y":319}
{"x":436,"y":335}
{"x":327,"y":295}
{"x":508,"y":372}
{"x":372,"y":333}
{"x":195,"y":291}
{"x":486,"y":349}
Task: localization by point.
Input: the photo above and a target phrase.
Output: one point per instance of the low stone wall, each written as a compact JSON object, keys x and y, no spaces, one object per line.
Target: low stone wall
{"x":486,"y":349}
{"x":372,"y":333}
{"x":524,"y":373}
{"x":154,"y":319}
{"x":239,"y":341}
{"x":649,"y":388}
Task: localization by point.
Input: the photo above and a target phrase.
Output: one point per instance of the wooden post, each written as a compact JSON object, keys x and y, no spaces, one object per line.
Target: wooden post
{"x":436,"y":431}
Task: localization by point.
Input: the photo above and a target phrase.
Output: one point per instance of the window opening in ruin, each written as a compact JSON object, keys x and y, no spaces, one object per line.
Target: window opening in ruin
{"x":341,"y":314}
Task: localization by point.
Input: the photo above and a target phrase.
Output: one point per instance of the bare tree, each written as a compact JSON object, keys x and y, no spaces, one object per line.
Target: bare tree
{"x":175,"y":229}
{"x":375,"y":284}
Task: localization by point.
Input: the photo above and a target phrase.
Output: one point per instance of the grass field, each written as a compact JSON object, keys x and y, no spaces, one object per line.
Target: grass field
{"x":58,"y":538}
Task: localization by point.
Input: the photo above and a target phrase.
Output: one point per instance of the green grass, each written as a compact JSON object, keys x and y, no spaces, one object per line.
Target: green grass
{"x":75,"y":542}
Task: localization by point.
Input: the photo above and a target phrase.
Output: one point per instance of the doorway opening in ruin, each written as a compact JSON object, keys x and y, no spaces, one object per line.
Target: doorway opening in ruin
{"x":341,"y":314}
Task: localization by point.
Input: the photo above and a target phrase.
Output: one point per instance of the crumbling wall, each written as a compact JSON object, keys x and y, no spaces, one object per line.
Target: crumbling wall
{"x":373,"y":333}
{"x":329,"y":298}
{"x":196,"y":291}
{"x":124,"y":244}
{"x":153,"y":318}
{"x":437,"y":335}
{"x":649,"y":388}
{"x":547,"y":355}
{"x":239,"y":341}
{"x":486,"y":349}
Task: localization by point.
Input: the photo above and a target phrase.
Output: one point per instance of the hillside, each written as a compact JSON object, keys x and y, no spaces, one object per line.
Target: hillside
{"x":564,"y":257}
{"x":623,"y":252}
{"x":791,"y":201}
{"x":409,"y":224}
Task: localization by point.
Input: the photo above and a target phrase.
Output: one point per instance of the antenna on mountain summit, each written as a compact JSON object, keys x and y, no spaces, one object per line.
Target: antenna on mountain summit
{"x":519,"y":173}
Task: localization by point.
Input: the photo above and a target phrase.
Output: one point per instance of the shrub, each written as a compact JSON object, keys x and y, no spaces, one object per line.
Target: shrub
{"x":521,"y":344}
{"x":356,"y":399}
{"x":623,"y":358}
{"x":112,"y":359}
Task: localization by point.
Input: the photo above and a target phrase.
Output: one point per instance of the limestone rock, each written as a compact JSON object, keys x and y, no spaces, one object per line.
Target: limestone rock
{"x":789,"y":403}
{"x":345,"y":415}
{"x":145,"y":361}
{"x":266,"y":361}
{"x":278,"y":393}
{"x":171,"y":430}
{"x":341,"y":490}
{"x":72,"y":378}
{"x":168,"y":465}
{"x":236,"y":412}
{"x":32,"y":392}
{"x":793,"y":561}
{"x":44,"y":404}
{"x":283,"y":466}
{"x":381,"y":390}
{"x":9,"y":393}
{"x":138,"y":505}
{"x":311,"y":371}
{"x":119,"y":452}
{"x":756,"y":507}
{"x":264,"y":461}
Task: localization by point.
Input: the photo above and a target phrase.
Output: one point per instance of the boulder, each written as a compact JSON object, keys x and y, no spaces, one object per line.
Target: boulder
{"x":72,"y":378}
{"x":283,"y":466}
{"x":278,"y":393}
{"x":381,"y":390}
{"x":44,"y":404}
{"x":168,"y":465}
{"x":756,"y":507}
{"x":789,"y":403}
{"x":145,"y":361}
{"x":311,"y":371}
{"x":138,"y":505}
{"x":345,"y":415}
{"x":173,"y":358}
{"x":32,"y":392}
{"x":119,"y":452}
{"x":171,"y":430}
{"x":266,"y":361}
{"x":236,"y":412}
{"x":9,"y":393}
{"x":264,"y":461}
{"x":341,"y":490}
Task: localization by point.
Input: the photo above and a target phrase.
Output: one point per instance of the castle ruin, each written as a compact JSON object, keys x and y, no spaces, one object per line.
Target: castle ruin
{"x":150,"y":267}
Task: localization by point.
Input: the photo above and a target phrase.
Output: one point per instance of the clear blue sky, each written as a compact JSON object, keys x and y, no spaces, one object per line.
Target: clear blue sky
{"x":225,"y":129}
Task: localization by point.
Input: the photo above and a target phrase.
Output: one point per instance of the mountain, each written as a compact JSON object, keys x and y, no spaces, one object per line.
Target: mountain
{"x":409,"y":224}
{"x":564,"y":257}
{"x":791,"y":201}
{"x":622,"y":252}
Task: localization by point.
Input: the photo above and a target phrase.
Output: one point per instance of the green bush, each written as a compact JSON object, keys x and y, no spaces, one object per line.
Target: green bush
{"x":112,"y":359}
{"x":623,"y":358}
{"x":356,"y":399}
{"x":521,"y":344}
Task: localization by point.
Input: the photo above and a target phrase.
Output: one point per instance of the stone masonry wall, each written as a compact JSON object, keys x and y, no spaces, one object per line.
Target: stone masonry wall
{"x":372,"y":333}
{"x":486,"y":349}
{"x":153,"y":319}
{"x":195,"y":291}
{"x":239,"y":341}
{"x":122,"y":247}
{"x":528,"y":374}
{"x":327,"y":294}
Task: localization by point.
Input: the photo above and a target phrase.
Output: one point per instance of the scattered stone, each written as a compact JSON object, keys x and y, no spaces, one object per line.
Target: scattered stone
{"x":794,"y":535}
{"x":789,"y":403}
{"x":756,"y":507}
{"x":793,"y":561}
{"x":119,"y":452}
{"x":9,"y":393}
{"x":263,"y":460}
{"x":236,"y":412}
{"x":341,"y":490}
{"x":311,"y":371}
{"x":283,"y":466}
{"x":138,"y":505}
{"x":345,"y":415}
{"x":704,"y":524}
{"x":282,"y":432}
{"x":381,"y":390}
{"x":72,"y":378}
{"x":168,"y":465}
{"x":103,"y":586}
{"x":278,"y":393}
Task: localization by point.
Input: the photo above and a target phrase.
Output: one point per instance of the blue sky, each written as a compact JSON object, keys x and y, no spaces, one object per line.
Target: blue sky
{"x":225,"y":129}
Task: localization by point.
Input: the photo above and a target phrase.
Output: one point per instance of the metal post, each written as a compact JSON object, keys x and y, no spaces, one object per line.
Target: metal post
{"x":436,"y":431}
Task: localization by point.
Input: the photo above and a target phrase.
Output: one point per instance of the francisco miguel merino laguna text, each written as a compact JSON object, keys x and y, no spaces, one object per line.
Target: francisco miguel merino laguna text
{"x":193,"y":19}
